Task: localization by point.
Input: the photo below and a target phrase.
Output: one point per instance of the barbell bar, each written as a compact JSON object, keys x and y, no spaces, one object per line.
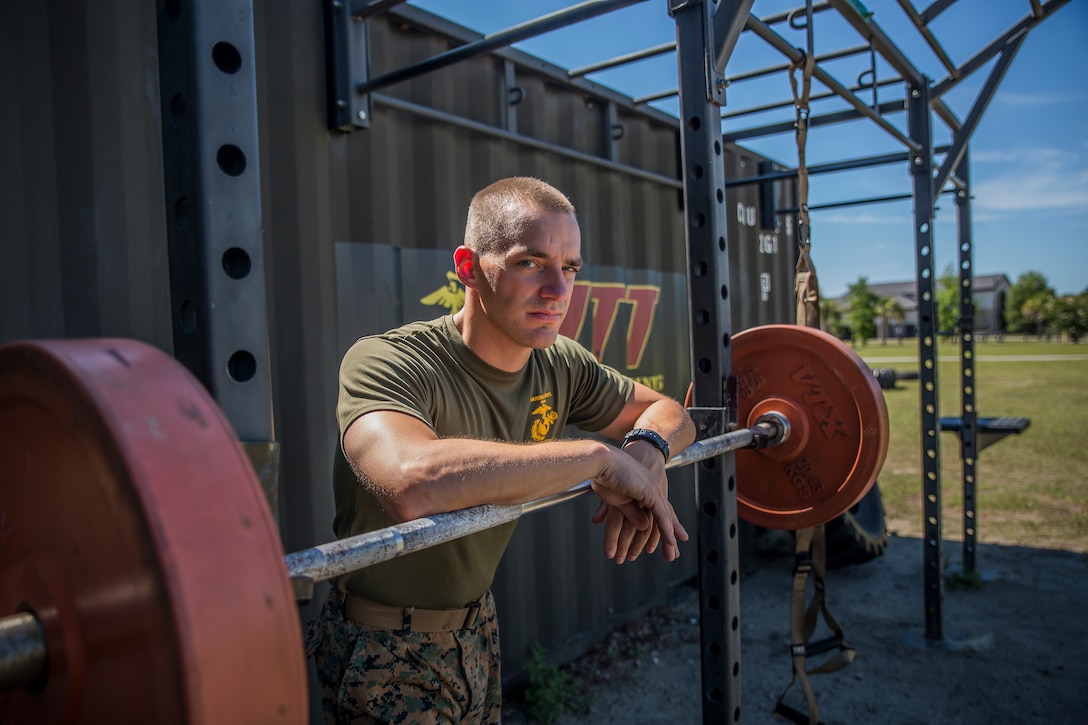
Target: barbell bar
{"x":307,"y":567}
{"x":136,"y":544}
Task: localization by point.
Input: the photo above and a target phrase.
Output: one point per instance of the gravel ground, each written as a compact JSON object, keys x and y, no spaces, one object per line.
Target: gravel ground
{"x":1011,"y":651}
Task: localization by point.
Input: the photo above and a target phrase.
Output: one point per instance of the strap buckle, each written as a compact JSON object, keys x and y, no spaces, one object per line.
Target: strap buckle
{"x":473,"y":615}
{"x":802,"y":563}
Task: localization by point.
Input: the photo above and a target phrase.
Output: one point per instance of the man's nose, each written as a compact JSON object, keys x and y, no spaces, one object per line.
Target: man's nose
{"x":556,"y":285}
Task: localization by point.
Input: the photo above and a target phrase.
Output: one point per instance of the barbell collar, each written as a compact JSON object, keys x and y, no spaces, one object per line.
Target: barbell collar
{"x":780,"y":426}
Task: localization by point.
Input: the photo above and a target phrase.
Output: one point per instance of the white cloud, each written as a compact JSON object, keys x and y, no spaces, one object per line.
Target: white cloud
{"x":1025,"y":178}
{"x":1049,"y":185}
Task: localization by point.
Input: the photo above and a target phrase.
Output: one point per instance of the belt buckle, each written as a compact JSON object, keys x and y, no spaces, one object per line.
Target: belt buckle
{"x":406,"y":619}
{"x":473,"y":615}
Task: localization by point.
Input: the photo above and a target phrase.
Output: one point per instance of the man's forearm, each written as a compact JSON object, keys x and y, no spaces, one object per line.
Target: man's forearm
{"x":414,"y":473}
{"x":457,"y":473}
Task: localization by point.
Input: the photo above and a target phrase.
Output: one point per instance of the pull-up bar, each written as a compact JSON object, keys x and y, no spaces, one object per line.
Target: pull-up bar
{"x":494,"y":41}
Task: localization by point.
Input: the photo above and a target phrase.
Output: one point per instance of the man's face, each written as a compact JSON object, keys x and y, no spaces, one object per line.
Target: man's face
{"x":528,"y":287}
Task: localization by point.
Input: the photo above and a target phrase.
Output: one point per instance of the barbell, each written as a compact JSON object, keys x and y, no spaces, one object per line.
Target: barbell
{"x":142,"y":578}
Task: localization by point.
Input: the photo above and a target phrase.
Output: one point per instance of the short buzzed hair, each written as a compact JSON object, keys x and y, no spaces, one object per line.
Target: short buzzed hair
{"x":500,"y":213}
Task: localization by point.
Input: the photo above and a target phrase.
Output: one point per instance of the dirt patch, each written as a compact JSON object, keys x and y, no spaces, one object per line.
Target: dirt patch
{"x":1012,"y":650}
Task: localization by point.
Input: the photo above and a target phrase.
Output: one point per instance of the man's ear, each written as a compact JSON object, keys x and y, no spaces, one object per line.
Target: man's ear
{"x":464,"y":263}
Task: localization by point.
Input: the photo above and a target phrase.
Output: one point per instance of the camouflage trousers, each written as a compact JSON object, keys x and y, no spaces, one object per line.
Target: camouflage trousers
{"x":372,"y":675}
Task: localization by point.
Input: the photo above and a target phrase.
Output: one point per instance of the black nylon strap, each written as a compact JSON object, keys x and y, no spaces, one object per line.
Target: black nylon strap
{"x":650,"y":436}
{"x":810,"y":557}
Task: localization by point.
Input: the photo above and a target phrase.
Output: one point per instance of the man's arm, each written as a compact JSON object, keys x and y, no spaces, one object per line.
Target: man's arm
{"x":644,"y":409}
{"x":415,"y":473}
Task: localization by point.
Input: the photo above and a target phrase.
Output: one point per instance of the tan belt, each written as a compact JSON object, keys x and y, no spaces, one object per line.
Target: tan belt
{"x":409,"y":619}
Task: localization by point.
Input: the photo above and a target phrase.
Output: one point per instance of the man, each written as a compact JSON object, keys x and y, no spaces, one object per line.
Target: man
{"x":465,"y":410}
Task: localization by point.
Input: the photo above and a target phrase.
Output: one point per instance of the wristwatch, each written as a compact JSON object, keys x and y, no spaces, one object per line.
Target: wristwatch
{"x":652,"y":437}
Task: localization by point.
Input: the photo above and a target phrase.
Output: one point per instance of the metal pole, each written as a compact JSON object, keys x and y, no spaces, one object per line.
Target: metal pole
{"x":212,"y":182}
{"x":495,"y":132}
{"x":894,"y":158}
{"x":772,"y":69}
{"x":781,"y":45}
{"x":851,"y":12}
{"x":979,"y":59}
{"x":813,"y":97}
{"x":884,"y":108}
{"x":852,"y":202}
{"x":363,"y":9}
{"x":982,"y":101}
{"x":921,"y":168}
{"x":845,"y":165}
{"x":703,"y":171}
{"x":501,"y":39}
{"x":623,"y":59}
{"x":934,"y":45}
{"x":791,"y":15}
{"x":968,"y":381}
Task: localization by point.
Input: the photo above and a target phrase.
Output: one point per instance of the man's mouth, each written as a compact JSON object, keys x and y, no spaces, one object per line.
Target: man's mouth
{"x":547,"y":315}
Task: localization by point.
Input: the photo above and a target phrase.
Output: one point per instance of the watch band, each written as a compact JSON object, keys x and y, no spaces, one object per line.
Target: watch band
{"x":652,"y":437}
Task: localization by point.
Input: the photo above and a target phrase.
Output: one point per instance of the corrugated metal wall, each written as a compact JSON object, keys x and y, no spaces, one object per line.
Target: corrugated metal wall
{"x":81,"y":179}
{"x":358,"y":230}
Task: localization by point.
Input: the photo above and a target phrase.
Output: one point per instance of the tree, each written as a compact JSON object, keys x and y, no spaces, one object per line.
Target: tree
{"x":1036,"y":311}
{"x":831,"y":317}
{"x":862,"y":311}
{"x":1068,"y":316}
{"x":1027,"y":285}
{"x":948,"y":302}
{"x":888,"y":310}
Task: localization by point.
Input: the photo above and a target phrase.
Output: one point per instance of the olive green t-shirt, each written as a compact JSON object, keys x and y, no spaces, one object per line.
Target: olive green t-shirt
{"x":426,"y":370}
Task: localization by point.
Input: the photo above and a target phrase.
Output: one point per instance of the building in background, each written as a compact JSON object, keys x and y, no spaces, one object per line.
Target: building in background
{"x":991,"y":291}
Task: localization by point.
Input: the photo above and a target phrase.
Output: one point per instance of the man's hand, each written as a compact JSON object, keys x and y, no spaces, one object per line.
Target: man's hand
{"x":623,"y":541}
{"x":627,"y":531}
{"x":626,"y":536}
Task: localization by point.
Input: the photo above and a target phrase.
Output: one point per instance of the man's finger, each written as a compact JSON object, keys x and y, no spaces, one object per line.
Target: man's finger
{"x":638,"y":543}
{"x":653,"y":540}
{"x":634,"y":513}
{"x":669,"y":525}
{"x":613,"y":525}
{"x":627,"y":535}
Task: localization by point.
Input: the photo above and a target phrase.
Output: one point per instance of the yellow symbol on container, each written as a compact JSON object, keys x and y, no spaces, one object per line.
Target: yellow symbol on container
{"x":451,"y":296}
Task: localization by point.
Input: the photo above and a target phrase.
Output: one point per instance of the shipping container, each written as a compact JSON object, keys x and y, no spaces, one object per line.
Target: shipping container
{"x":356,"y":232}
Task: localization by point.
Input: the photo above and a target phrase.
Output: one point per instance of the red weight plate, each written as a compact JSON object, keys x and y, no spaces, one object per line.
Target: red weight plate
{"x":839,"y":423}
{"x":133,"y":526}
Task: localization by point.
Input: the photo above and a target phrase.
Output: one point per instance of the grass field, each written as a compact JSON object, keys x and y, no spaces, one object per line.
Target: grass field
{"x":1032,"y":488}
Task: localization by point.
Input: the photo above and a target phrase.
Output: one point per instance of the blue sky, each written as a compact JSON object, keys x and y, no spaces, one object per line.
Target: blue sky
{"x":1029,"y":153}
